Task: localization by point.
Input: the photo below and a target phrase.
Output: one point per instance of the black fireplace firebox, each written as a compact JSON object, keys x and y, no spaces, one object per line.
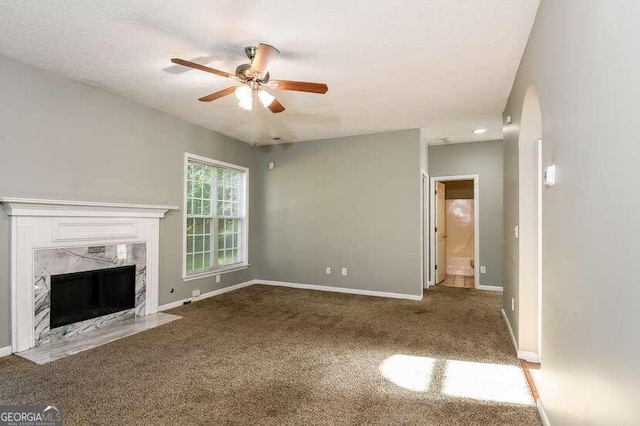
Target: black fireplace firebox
{"x":81,"y":296}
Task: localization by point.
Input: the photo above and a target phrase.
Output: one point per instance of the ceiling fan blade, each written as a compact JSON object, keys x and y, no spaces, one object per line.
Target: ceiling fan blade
{"x":218,"y":95}
{"x":262,"y":61}
{"x":300,"y":86}
{"x":201,"y":67}
{"x":275,"y":106}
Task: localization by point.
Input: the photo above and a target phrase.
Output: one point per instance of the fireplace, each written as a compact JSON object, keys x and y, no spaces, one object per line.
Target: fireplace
{"x":81,"y":296}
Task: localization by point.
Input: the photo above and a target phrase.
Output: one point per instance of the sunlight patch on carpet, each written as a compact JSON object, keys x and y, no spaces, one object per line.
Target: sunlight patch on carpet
{"x":486,"y":382}
{"x":409,"y":372}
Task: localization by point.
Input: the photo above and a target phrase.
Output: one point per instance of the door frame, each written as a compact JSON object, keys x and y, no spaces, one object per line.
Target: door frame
{"x":476,"y":224}
{"x":424,"y":234}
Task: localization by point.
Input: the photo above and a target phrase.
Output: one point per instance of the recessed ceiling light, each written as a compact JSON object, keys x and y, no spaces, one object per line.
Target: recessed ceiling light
{"x":480,"y":131}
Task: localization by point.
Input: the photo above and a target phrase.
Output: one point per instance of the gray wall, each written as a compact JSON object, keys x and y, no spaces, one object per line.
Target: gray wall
{"x":352,"y":202}
{"x":583,"y":60}
{"x":485,"y":160}
{"x":65,"y":140}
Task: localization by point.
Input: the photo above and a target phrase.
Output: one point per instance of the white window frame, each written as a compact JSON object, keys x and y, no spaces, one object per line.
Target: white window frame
{"x":244,"y":250}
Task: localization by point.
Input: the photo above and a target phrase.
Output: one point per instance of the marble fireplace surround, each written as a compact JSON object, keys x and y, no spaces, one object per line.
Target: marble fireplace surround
{"x":54,"y":261}
{"x":46,"y":235}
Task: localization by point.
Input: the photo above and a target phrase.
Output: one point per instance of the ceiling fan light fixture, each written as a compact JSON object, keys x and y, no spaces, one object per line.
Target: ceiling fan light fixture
{"x":266,"y":98}
{"x":243,"y":93}
{"x":246,"y":104}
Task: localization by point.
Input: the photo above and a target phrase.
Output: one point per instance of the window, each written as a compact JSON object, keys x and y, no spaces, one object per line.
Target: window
{"x":216,"y":216}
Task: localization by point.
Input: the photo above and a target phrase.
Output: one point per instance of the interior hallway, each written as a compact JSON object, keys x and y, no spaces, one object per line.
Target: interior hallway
{"x":459,"y":281}
{"x":273,"y":355}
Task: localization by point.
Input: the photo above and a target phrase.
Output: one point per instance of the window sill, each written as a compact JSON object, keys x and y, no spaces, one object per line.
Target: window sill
{"x":213,"y":273}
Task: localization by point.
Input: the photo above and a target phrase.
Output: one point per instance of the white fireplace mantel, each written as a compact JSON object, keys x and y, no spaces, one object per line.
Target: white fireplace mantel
{"x":63,"y":208}
{"x":41,"y":224}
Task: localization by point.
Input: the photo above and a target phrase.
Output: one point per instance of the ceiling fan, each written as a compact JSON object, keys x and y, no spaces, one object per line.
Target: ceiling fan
{"x":255,"y":78}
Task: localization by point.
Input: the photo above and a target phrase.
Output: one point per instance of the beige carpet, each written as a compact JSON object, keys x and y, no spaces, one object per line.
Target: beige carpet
{"x":271,"y":355}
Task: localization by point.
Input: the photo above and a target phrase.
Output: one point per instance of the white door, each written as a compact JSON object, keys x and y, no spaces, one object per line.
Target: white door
{"x":441,"y":236}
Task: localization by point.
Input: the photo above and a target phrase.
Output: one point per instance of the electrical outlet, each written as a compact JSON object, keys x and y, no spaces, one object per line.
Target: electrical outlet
{"x":513,"y":304}
{"x":217,"y":278}
{"x":483,"y":269}
{"x":328,"y":270}
{"x":195,"y":293}
{"x":344,"y":272}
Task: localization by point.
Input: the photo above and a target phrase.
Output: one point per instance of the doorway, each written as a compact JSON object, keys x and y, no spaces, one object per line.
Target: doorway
{"x":455,"y":231}
{"x":530,"y":203}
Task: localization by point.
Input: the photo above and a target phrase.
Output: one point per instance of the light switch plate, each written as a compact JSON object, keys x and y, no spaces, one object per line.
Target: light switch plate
{"x":550,"y":175}
{"x":344,"y":272}
{"x":328,"y":270}
{"x":483,"y":269}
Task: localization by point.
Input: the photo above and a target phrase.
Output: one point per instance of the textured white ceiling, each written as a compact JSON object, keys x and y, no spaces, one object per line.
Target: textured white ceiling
{"x":445,"y":66}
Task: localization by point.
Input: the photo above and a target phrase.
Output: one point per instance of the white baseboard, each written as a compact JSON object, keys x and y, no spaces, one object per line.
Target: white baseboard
{"x":340,"y":290}
{"x":513,"y":337}
{"x":489,"y":288}
{"x":542,"y":413}
{"x":525,"y":355}
{"x":5,"y":351}
{"x":291,"y":285}
{"x":528,"y":356}
{"x":207,"y":295}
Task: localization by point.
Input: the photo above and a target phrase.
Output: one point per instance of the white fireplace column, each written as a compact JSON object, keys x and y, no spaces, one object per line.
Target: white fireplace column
{"x":41,"y":224}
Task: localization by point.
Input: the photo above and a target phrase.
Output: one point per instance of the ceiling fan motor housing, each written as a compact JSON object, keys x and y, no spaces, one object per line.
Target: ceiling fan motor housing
{"x":242,"y":72}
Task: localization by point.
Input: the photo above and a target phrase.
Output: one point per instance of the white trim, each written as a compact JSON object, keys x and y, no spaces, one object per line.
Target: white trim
{"x":244,"y":249}
{"x":340,"y":290}
{"x":6,"y":351}
{"x":217,"y":292}
{"x":542,"y":413}
{"x":34,"y":207}
{"x":528,"y":356}
{"x":489,"y":288}
{"x":213,"y":273}
{"x":513,"y":337}
{"x":424,"y":240}
{"x":476,"y":222}
{"x":539,"y":187}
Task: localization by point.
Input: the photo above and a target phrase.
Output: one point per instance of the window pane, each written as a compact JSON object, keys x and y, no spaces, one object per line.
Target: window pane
{"x":197,"y":206}
{"x":198,"y":244}
{"x":198,"y":261}
{"x":189,"y":244}
{"x":189,"y":226}
{"x":206,"y":207}
{"x":189,"y":206}
{"x":198,"y":226}
{"x":207,"y":226}
{"x":190,"y":262}
{"x":208,"y":173}
{"x":221,"y":227}
{"x":207,"y":260}
{"x":234,"y":256}
{"x":207,"y":242}
{"x":221,"y":258}
{"x":220,"y":241}
{"x":206,"y":188}
{"x":189,"y":188}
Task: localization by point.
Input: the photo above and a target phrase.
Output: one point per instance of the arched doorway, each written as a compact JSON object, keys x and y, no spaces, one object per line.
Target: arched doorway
{"x":530,"y":228}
